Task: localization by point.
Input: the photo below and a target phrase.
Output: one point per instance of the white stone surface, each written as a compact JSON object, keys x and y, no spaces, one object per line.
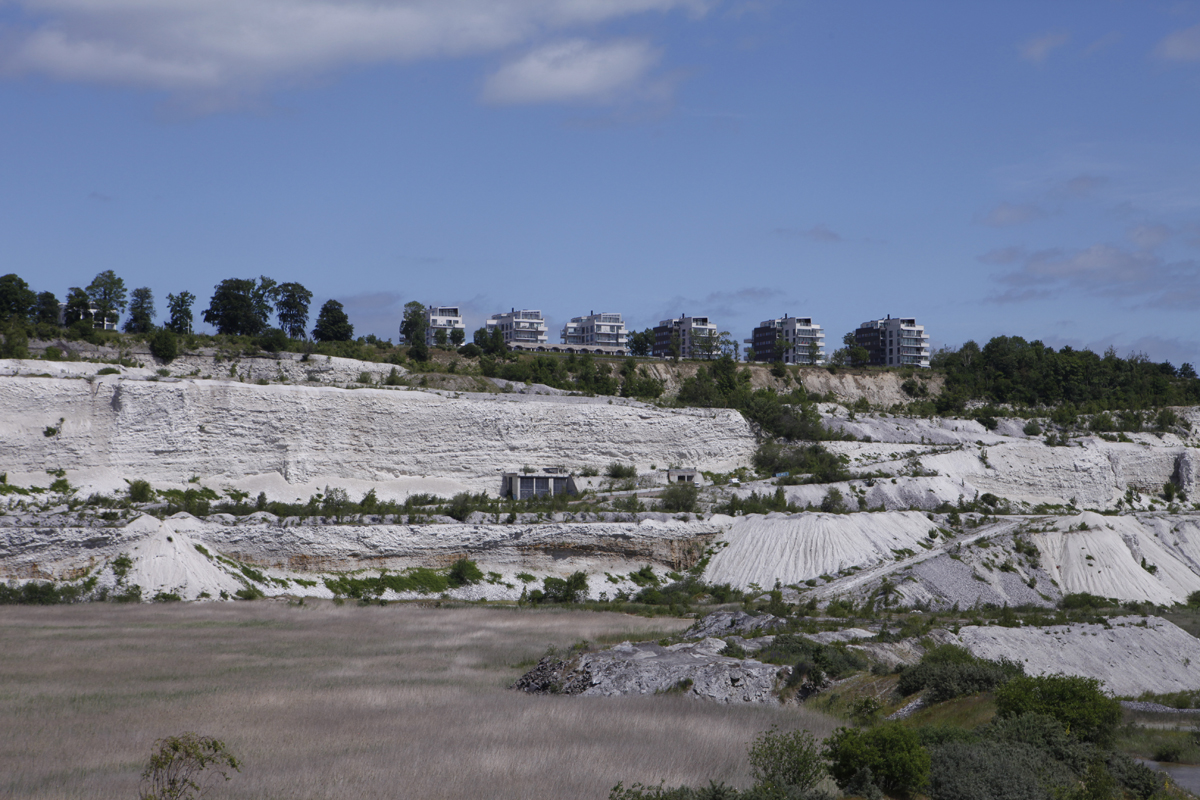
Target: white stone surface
{"x":1134,"y":655}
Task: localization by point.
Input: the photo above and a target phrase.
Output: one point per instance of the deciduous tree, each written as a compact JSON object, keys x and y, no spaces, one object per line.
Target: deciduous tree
{"x":292,"y":308}
{"x":332,"y":324}
{"x":107,"y":293}
{"x":180,"y":308}
{"x":141,"y":311}
{"x":16,"y":298}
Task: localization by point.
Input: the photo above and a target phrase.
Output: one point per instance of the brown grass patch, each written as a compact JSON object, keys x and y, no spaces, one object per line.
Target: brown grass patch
{"x":343,"y":702}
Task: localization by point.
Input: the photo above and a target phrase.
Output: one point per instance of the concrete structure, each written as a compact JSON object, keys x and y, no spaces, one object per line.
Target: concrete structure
{"x":894,"y":342}
{"x":446,"y":318}
{"x":804,"y":341}
{"x":549,"y":481}
{"x":522,"y":330}
{"x":597,"y":333}
{"x":100,"y":324}
{"x":685,"y":333}
{"x":683,"y":476}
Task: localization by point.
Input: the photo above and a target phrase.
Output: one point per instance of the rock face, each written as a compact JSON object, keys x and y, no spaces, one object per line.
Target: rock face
{"x":55,"y":551}
{"x":695,"y":670}
{"x":1131,"y":655}
{"x":170,"y":431}
{"x":798,"y":547}
{"x":720,"y":624}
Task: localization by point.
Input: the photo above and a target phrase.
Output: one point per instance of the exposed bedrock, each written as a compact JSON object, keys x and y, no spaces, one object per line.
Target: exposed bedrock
{"x":171,"y":431}
{"x":695,"y":669}
{"x":44,"y":551}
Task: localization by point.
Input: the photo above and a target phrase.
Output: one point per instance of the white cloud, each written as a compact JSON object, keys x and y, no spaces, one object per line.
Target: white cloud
{"x":573,"y":70}
{"x":243,"y":46}
{"x":1181,"y":45}
{"x":1037,"y":49}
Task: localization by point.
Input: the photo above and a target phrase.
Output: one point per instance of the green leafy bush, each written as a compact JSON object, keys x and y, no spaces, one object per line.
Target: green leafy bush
{"x":951,"y":671}
{"x":140,"y":491}
{"x":786,"y":761}
{"x":620,"y":471}
{"x":893,"y":754}
{"x":679,"y":497}
{"x":561,"y":590}
{"x":464,"y":572}
{"x":1076,"y":702}
{"x":164,"y":346}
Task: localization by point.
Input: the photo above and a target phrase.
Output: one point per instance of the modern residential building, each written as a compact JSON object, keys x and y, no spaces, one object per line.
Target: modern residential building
{"x":894,"y":342}
{"x":694,"y":337}
{"x":442,"y":318}
{"x":522,"y":330}
{"x":803,"y":340}
{"x":597,"y":333}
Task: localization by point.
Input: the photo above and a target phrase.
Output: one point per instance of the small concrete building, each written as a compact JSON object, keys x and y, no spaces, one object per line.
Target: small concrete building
{"x":683,"y":476}
{"x":549,"y":481}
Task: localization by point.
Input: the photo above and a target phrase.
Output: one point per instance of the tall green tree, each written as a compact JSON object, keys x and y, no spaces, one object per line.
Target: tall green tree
{"x":180,"y":308}
{"x":45,"y":309}
{"x":414,"y":324}
{"x":265,"y":294}
{"x":292,"y":308}
{"x":332,"y":324}
{"x":107,"y":293}
{"x":641,"y":343}
{"x":79,"y":306}
{"x":458,"y":336}
{"x":16,"y":298}
{"x":235,"y":309}
{"x":141,"y":311}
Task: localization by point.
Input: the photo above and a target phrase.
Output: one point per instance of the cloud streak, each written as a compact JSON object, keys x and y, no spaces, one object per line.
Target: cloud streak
{"x":1104,"y":270}
{"x":1037,"y":49}
{"x":571,"y":71}
{"x":1181,"y":45}
{"x":234,"y":47}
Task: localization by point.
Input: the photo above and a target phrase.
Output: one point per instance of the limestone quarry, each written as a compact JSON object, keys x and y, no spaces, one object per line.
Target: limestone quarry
{"x":1039,"y":523}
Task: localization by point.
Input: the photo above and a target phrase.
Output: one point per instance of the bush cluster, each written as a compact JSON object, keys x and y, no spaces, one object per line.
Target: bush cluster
{"x":950,"y":671}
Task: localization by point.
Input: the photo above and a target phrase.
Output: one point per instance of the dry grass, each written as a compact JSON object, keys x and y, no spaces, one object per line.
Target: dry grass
{"x":343,"y":702}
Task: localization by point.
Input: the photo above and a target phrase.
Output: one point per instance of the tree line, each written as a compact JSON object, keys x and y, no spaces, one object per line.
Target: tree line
{"x":238,"y":307}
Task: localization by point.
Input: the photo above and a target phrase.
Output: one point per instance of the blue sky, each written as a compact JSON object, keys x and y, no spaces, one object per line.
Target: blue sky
{"x":1020,"y":168}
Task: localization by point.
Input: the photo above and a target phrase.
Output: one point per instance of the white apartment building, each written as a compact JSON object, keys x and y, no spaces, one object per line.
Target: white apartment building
{"x":522,"y":330}
{"x":687,"y":332}
{"x":446,"y":318}
{"x":894,"y":342}
{"x":801,"y":336}
{"x":603,"y":332}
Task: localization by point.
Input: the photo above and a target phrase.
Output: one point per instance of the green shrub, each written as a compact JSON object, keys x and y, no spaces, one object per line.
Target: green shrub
{"x":1032,"y":428}
{"x":620,"y":471}
{"x":184,"y":767}
{"x":140,"y":491}
{"x":164,"y":346}
{"x":561,"y":590}
{"x":968,"y":771}
{"x":951,"y":671}
{"x":679,"y":497}
{"x":893,"y":754}
{"x":464,"y":572}
{"x":833,"y":502}
{"x":786,"y":761}
{"x":1076,"y":702}
{"x":249,"y":593}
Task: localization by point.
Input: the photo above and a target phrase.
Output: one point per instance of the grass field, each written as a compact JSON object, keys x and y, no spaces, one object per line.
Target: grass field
{"x":345,"y":702}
